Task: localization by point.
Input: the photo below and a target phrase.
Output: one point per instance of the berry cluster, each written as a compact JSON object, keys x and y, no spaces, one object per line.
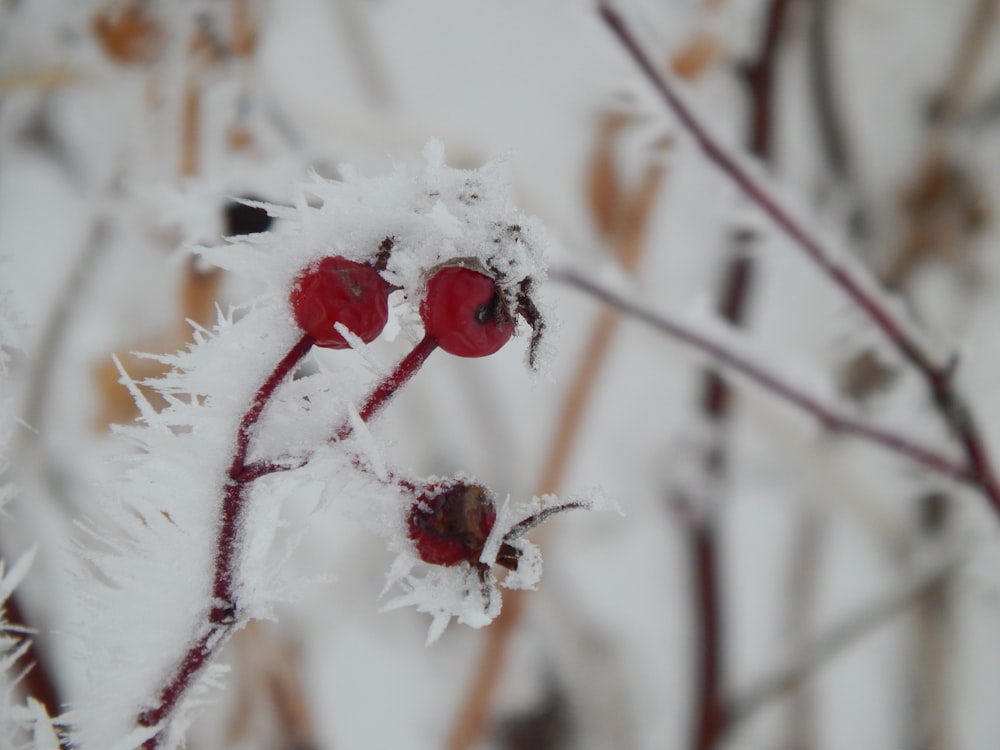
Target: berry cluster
{"x":463,"y":311}
{"x":465,"y":314}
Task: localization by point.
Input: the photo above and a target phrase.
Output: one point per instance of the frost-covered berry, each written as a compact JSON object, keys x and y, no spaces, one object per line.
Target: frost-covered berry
{"x":465,"y":313}
{"x":338,"y":290}
{"x":449,"y":523}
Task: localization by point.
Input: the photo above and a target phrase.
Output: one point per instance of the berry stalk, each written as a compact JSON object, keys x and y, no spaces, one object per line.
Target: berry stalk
{"x":405,"y":370}
{"x":222,"y":616}
{"x":395,"y":380}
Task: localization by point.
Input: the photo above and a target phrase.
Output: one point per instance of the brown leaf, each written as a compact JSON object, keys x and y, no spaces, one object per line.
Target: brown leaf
{"x":131,"y":36}
{"x":603,"y":191}
{"x":701,"y":52}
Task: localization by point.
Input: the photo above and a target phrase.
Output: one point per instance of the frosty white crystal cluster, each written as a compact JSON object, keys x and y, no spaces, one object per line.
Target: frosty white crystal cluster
{"x":156,"y":566}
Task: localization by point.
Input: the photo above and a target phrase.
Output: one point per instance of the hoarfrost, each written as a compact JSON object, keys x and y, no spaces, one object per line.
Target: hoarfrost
{"x":157,"y":562}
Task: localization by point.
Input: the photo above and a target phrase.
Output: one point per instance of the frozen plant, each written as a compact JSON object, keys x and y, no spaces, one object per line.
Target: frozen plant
{"x":199,"y":504}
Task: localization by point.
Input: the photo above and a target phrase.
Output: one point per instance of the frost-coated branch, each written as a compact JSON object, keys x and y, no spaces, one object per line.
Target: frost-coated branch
{"x":235,"y":498}
{"x":861,"y":293}
{"x":222,"y":617}
{"x":721,"y":354}
{"x":469,"y":306}
{"x":978,"y":470}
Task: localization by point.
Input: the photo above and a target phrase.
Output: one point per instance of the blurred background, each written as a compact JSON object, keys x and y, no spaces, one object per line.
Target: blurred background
{"x":770,"y":585}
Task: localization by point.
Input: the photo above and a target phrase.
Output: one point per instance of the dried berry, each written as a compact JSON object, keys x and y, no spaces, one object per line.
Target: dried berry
{"x":449,"y":523}
{"x":338,"y":290}
{"x":465,"y":313}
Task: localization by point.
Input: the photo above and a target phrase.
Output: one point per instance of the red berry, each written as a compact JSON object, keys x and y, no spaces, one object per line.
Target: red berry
{"x":449,"y":524}
{"x":338,"y":290}
{"x":464,"y":312}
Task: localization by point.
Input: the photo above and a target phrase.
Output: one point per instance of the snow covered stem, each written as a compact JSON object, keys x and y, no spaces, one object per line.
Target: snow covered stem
{"x":405,"y":370}
{"x":724,"y":356}
{"x":978,"y":469}
{"x":223,"y":616}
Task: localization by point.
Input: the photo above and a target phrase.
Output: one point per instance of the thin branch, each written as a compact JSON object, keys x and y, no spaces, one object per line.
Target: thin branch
{"x":710,"y":718}
{"x":222,"y":618}
{"x":822,"y":649}
{"x":830,"y":418}
{"x":760,"y":79}
{"x":953,"y":409}
{"x":860,"y":293}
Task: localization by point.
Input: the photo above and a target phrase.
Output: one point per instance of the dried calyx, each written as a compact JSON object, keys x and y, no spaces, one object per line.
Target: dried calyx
{"x":450,"y":522}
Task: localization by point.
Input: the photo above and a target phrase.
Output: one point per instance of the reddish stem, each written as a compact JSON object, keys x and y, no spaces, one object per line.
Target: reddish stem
{"x":978,"y":470}
{"x":710,"y":721}
{"x":758,"y":194}
{"x":223,"y":613}
{"x":234,"y":504}
{"x":385,"y":390}
{"x":760,"y":78}
{"x":405,"y":370}
{"x":832,"y":420}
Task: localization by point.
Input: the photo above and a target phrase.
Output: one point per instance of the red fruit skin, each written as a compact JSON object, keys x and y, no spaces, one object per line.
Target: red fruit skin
{"x":450,"y":526}
{"x":464,"y":313}
{"x":337,"y":290}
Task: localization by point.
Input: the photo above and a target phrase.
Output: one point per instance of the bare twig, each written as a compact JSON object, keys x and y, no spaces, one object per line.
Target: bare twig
{"x":760,"y":79}
{"x":830,"y":418}
{"x":859,"y":292}
{"x":710,"y":718}
{"x":954,"y":411}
